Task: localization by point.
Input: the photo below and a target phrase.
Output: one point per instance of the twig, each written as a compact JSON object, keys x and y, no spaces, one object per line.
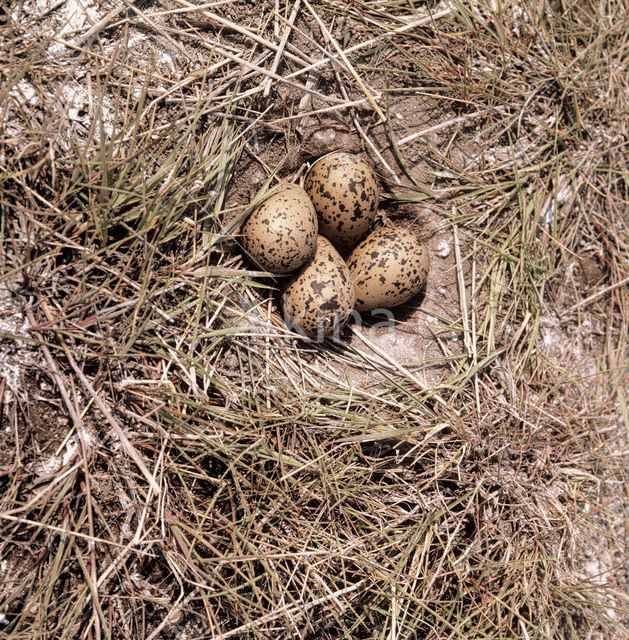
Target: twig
{"x":237,"y":28}
{"x":292,"y":612}
{"x":122,"y":436}
{"x":420,"y":385}
{"x":438,"y":127}
{"x":16,"y":463}
{"x":467,"y":335}
{"x":280,"y":50}
{"x":124,"y":441}
{"x":462,"y":293}
{"x":177,"y":45}
{"x":50,"y":9}
{"x":366,"y":138}
{"x":598,"y":294}
{"x":372,"y":41}
{"x":102,"y":24}
{"x":90,"y":574}
{"x":37,"y":524}
{"x":346,"y":61}
{"x":176,"y":608}
{"x":305,"y":107}
{"x":267,"y":72}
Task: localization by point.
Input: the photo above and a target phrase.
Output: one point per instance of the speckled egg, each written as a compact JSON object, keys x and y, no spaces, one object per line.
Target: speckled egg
{"x":319,"y":300}
{"x":280,"y":235}
{"x":389,"y":267}
{"x":344,"y":190}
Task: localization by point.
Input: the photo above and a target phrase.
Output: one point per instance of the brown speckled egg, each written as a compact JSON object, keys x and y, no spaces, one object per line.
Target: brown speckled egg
{"x":319,"y":300}
{"x":280,"y":235}
{"x":389,"y":267}
{"x":344,"y":190}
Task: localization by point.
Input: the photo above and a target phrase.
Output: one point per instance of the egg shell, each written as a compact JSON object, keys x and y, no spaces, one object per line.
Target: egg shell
{"x":319,"y":300}
{"x":389,"y":267}
{"x":280,"y":235}
{"x":345,"y":192}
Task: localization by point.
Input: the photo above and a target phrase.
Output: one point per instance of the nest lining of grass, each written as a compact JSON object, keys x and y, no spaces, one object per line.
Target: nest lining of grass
{"x":175,"y":463}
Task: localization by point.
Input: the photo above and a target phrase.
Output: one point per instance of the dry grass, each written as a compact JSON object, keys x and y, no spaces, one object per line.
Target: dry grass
{"x":174,"y":463}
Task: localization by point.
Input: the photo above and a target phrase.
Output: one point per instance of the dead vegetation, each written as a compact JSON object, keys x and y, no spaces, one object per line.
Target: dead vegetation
{"x":174,"y":463}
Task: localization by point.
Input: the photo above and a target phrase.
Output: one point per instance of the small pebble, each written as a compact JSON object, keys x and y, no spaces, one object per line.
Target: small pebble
{"x":443,"y":249}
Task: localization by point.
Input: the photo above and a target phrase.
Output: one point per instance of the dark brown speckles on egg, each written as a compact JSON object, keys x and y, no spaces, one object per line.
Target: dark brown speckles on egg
{"x":389,"y":267}
{"x":319,"y":300}
{"x":345,"y":193}
{"x":280,"y":235}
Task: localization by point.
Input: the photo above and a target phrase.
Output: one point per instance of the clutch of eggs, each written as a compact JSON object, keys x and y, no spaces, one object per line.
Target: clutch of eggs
{"x":304,"y":231}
